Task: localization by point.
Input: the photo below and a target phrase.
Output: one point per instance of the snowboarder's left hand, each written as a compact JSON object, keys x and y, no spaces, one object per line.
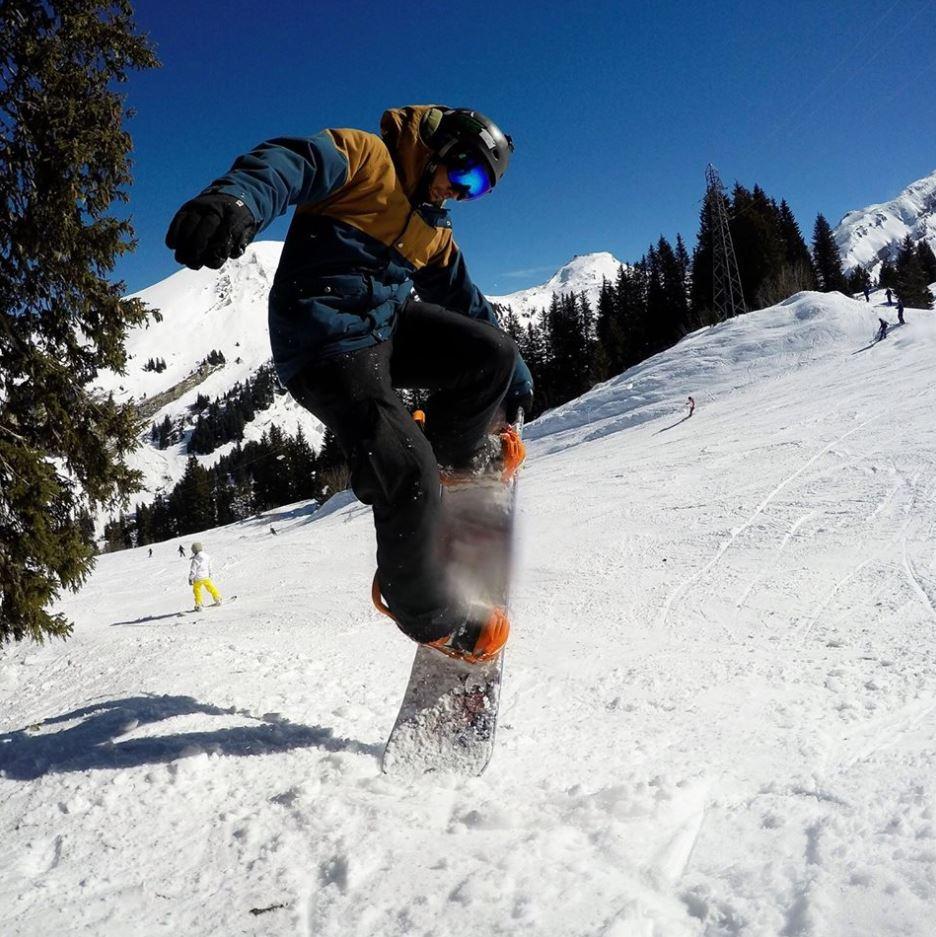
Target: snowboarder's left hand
{"x":209,"y":229}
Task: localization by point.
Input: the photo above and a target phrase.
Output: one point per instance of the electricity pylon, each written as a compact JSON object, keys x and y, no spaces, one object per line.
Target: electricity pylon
{"x":727,"y":298}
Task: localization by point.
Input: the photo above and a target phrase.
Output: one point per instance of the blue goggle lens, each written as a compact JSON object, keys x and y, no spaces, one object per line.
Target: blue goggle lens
{"x":471,"y":178}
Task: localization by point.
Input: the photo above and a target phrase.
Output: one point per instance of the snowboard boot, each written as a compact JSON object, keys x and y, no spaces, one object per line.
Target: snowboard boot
{"x":499,"y":455}
{"x":480,"y":637}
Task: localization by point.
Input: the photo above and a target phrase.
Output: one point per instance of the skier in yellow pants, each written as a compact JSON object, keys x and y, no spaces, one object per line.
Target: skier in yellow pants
{"x":200,"y":576}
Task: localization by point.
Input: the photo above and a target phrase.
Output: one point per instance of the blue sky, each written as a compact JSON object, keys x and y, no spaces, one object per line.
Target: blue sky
{"x":616,"y":108}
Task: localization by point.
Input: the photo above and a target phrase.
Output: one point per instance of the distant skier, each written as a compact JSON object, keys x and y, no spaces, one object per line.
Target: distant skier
{"x":691,"y":405}
{"x":867,"y":293}
{"x":200,"y":576}
{"x":882,"y":330}
{"x":370,"y":222}
{"x":888,"y":294}
{"x":151,"y":552}
{"x":272,"y":530}
{"x":900,"y":311}
{"x":181,"y":551}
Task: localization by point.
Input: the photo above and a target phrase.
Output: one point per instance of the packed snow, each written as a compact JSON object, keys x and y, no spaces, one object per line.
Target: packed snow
{"x":873,"y":234}
{"x":718,"y":709}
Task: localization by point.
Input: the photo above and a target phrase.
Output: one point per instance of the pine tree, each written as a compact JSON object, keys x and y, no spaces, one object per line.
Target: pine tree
{"x":684,"y":263}
{"x":858,"y":280}
{"x":798,"y":272}
{"x":162,"y":523}
{"x":794,"y":244}
{"x":827,"y":259}
{"x":191,"y":502}
{"x":334,"y":472}
{"x":887,"y":276}
{"x":610,"y":350}
{"x":632,"y":288}
{"x":302,"y":469}
{"x":927,"y":260}
{"x":533,"y":349}
{"x":165,"y":433}
{"x":656,"y":303}
{"x":63,"y":162}
{"x":511,"y":324}
{"x":675,"y":321}
{"x":912,"y":279}
{"x":703,"y":287}
{"x":568,"y":329}
{"x":759,"y":244}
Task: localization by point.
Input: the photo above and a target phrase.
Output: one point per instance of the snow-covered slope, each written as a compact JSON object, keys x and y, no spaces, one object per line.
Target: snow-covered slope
{"x":718,"y":712}
{"x":203,"y":311}
{"x":873,"y":234}
{"x":582,"y":274}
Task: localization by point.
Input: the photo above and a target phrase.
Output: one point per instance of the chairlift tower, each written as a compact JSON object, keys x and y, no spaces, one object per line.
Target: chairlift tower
{"x":727,"y":298}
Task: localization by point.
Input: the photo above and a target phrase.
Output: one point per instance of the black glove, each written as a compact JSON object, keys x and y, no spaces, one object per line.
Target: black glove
{"x":514,"y":403}
{"x":209,"y":229}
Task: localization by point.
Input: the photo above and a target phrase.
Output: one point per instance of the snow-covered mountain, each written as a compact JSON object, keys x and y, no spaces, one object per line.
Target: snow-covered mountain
{"x":873,"y":234}
{"x":226,"y":310}
{"x":582,"y":274}
{"x":718,"y":708}
{"x":202,"y":311}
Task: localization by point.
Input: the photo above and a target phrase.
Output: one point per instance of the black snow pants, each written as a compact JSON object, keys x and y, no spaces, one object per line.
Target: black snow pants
{"x":467,"y":365}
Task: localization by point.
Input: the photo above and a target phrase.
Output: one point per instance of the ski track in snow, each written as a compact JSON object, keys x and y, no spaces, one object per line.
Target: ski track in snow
{"x":717,"y":717}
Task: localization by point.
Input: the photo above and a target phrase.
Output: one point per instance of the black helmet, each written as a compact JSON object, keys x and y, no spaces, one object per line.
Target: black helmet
{"x":456,"y":134}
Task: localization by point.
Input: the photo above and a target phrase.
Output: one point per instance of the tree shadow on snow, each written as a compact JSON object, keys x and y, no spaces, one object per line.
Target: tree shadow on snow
{"x":32,"y":752}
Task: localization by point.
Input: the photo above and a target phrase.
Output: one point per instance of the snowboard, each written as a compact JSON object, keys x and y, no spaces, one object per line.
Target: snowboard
{"x":204,"y":608}
{"x":448,"y":717}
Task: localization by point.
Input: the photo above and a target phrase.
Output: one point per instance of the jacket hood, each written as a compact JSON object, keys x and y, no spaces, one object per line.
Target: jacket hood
{"x":399,"y":128}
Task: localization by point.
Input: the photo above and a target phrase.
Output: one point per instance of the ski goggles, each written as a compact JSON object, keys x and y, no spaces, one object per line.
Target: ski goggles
{"x":469,"y":176}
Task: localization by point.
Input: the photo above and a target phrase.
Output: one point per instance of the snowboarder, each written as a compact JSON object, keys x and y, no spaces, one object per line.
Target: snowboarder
{"x":370,"y":222}
{"x":200,"y":576}
{"x":867,"y":293}
{"x":888,"y":294}
{"x":691,"y":405}
{"x":900,"y":311}
{"x":882,"y":330}
{"x":181,"y":551}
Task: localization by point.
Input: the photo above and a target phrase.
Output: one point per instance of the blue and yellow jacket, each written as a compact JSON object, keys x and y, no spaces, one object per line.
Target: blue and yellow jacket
{"x":359,"y":239}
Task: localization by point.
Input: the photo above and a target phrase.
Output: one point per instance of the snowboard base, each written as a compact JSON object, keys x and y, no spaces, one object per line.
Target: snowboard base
{"x":447,"y":720}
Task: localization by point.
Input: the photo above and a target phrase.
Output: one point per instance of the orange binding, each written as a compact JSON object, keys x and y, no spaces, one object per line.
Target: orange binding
{"x":492,"y":635}
{"x":513,"y":450}
{"x":378,"y":601}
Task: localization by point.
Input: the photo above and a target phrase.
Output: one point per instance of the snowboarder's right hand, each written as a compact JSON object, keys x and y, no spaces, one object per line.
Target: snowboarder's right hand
{"x":209,"y":229}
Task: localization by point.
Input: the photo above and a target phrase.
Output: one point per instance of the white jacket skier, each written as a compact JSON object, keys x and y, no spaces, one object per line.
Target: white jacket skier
{"x":200,"y":576}
{"x":200,"y":568}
